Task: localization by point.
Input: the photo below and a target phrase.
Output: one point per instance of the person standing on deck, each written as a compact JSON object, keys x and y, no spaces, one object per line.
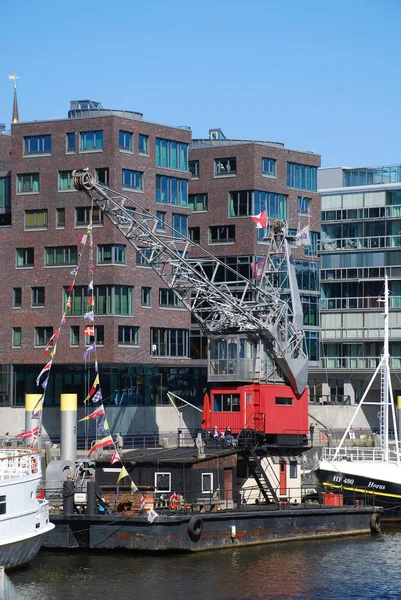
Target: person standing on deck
{"x":311,"y":432}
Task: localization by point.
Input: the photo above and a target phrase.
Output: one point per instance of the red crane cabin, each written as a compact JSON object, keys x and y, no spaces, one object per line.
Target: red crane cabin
{"x":270,"y":408}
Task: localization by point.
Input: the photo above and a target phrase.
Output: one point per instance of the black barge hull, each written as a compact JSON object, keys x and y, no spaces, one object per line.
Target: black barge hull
{"x":192,"y":533}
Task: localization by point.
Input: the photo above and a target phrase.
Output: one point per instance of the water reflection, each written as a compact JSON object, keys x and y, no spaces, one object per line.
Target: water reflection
{"x":313,"y":570}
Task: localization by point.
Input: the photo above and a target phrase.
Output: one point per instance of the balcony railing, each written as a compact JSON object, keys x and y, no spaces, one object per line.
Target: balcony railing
{"x":357,"y":362}
{"x":358,"y":302}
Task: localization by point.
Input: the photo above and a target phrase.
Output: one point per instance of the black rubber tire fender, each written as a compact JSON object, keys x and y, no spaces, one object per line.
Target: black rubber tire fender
{"x":195,"y":528}
{"x":375,"y":523}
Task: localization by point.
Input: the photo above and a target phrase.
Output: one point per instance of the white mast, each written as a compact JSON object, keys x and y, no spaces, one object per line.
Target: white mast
{"x":385,"y":379}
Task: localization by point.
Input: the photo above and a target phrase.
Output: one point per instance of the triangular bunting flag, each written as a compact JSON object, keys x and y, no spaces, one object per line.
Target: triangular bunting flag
{"x":123,"y":473}
{"x":106,"y":441}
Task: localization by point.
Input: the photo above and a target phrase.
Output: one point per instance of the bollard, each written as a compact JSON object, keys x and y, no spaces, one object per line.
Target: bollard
{"x":91,"y":497}
{"x":68,"y":497}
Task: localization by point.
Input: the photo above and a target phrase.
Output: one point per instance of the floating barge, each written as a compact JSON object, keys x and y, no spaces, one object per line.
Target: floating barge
{"x":189,"y":518}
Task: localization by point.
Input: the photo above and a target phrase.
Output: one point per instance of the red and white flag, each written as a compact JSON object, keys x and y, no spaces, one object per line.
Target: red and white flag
{"x":45,"y":368}
{"x":27,"y":434}
{"x":115,"y":458}
{"x":260,"y":220}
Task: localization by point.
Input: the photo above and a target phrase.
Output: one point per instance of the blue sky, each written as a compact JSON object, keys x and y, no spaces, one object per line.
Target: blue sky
{"x":317,"y":75}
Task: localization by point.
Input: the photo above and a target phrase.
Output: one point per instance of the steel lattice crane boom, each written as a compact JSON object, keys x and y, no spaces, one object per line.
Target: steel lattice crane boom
{"x":262,"y":312}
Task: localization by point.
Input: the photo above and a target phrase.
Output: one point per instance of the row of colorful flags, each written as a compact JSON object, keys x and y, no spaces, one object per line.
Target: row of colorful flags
{"x":94,"y":396}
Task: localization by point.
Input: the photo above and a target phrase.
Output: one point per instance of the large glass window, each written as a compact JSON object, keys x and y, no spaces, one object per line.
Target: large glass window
{"x":42,"y":335}
{"x":169,"y":299}
{"x":65,"y":181}
{"x":128,"y":335}
{"x":70,"y":142}
{"x":25,"y":257}
{"x":146,"y":298}
{"x":37,"y":144}
{"x":170,"y":190}
{"x":241,"y":203}
{"x":197,"y":202}
{"x":225,"y":166}
{"x":180,"y":225}
{"x":60,"y":255}
{"x":269,"y":167}
{"x":16,"y":337}
{"x":143,"y":144}
{"x":28,"y":183}
{"x":220,"y":234}
{"x":38,"y":297}
{"x":169,"y":342}
{"x":5,"y":192}
{"x":108,"y":300}
{"x":132,"y":179}
{"x":194,"y":168}
{"x":163,"y":482}
{"x":84,"y":215}
{"x":276,"y":205}
{"x":125,"y":141}
{"x":90,"y":141}
{"x":111,"y":254}
{"x":307,"y":275}
{"x":304,"y":205}
{"x":171,"y":154}
{"x":36,"y":219}
{"x":301,"y":177}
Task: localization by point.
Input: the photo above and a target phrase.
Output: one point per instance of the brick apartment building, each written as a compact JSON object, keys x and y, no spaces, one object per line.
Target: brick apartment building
{"x":142,"y":337}
{"x":234,"y":179}
{"x":144,"y":340}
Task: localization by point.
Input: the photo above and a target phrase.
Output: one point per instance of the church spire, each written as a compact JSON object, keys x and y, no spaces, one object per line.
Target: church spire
{"x":15,"y":118}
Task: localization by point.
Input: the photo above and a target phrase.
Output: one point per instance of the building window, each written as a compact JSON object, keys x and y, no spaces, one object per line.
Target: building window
{"x":102,"y":175}
{"x":111,"y":254}
{"x":172,"y":155}
{"x":98,"y":338}
{"x":38,"y":297}
{"x":312,"y":250}
{"x":125,"y":141}
{"x":161,"y":223}
{"x":312,"y":345}
{"x":65,"y":181}
{"x":37,"y":144}
{"x":170,"y":190}
{"x":310,"y":309}
{"x":197,"y":202}
{"x":293,"y":469}
{"x":17,"y":297}
{"x":144,"y":255}
{"x":143,"y":144}
{"x":132,"y":179}
{"x":60,"y":255}
{"x":207,"y":483}
{"x":84,"y":215}
{"x":194,"y":168}
{"x":226,"y":403}
{"x":74,"y":335}
{"x":25,"y":257}
{"x":199,"y":349}
{"x":163,"y":482}
{"x":225,"y":166}
{"x":128,"y":335}
{"x":108,"y":300}
{"x":17,"y":337}
{"x":146,"y":296}
{"x":91,"y":141}
{"x":169,"y":299}
{"x":5,"y":192}
{"x":269,"y":167}
{"x":169,"y":342}
{"x":36,"y":219}
{"x":301,"y":177}
{"x":241,"y":204}
{"x":304,"y":205}
{"x":42,"y":336}
{"x":283,"y":401}
{"x":28,"y":183}
{"x":194,"y":234}
{"x":220,"y":234}
{"x":60,"y":218}
{"x":276,"y":206}
{"x":70,"y":142}
{"x":180,"y":225}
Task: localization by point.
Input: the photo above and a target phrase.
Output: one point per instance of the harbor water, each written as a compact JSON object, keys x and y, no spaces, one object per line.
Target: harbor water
{"x":361,"y":567}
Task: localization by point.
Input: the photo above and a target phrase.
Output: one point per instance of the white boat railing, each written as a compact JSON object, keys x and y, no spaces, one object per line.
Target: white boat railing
{"x":18,"y":463}
{"x":357,"y":453}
